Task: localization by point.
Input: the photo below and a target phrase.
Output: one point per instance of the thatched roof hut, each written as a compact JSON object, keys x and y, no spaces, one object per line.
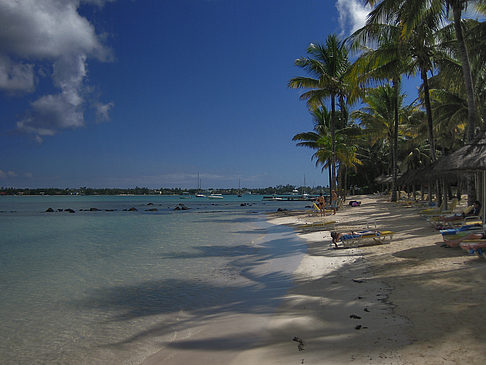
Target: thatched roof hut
{"x":471,"y":157}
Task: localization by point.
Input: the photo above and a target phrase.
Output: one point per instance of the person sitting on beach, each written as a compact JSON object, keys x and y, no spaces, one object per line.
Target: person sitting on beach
{"x":471,"y":212}
{"x":321,"y":202}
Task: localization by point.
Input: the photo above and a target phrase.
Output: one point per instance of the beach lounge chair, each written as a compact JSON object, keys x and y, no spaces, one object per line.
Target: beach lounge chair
{"x":444,"y":222}
{"x":315,"y":209}
{"x":469,"y":226}
{"x":433,"y":213}
{"x":365,"y":238}
{"x":433,"y":210}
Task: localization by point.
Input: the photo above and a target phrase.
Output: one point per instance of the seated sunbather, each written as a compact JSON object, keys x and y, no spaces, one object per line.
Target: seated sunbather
{"x":476,"y":209}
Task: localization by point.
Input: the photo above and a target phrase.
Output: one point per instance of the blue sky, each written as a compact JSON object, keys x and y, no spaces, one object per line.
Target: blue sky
{"x":127,"y":93}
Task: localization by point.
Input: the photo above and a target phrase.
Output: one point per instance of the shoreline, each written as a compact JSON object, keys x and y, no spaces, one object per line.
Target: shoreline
{"x":218,"y":338}
{"x":406,"y":302}
{"x":338,"y":310}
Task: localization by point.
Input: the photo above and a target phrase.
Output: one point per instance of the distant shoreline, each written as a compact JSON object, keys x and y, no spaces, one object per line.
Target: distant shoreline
{"x":278,"y":190}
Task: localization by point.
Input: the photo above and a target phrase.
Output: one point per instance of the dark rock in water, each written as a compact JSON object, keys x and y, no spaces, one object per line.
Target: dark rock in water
{"x":177,"y":208}
{"x":69,"y":210}
{"x":150,"y":203}
{"x":282,"y":210}
{"x":109,"y":210}
{"x":151,"y":210}
{"x":49,"y":210}
{"x":183,"y":207}
{"x":60,"y":210}
{"x":133,"y":209}
{"x":94,"y":210}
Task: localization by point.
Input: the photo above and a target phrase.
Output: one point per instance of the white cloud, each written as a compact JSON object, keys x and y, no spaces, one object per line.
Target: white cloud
{"x":46,"y":29}
{"x":39,"y":31}
{"x":102,"y":111}
{"x":16,"y":77}
{"x":352,"y":15}
{"x":10,"y":173}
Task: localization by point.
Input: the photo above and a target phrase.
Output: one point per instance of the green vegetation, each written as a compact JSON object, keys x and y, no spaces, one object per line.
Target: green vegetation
{"x":382,"y":136}
{"x":280,"y":190}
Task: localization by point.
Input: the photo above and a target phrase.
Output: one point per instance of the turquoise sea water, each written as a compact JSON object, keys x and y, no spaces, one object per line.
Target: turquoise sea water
{"x":103,"y":286}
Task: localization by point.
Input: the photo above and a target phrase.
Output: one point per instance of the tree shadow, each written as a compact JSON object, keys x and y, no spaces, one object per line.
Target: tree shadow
{"x":352,"y":289}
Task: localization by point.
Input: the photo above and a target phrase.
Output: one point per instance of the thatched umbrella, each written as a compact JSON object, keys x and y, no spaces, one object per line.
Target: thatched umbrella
{"x":469,"y":158}
{"x":415,"y":176}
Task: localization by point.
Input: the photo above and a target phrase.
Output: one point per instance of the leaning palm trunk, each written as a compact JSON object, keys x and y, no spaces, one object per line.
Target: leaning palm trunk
{"x":345,"y":183}
{"x":457,"y":7}
{"x":333,"y":143}
{"x":466,"y":70}
{"x":395,"y":144}
{"x":428,"y":110}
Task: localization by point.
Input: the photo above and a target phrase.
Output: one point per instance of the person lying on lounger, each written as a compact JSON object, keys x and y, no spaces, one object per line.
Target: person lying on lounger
{"x":339,"y":236}
{"x":468,"y":237}
{"x":476,"y":209}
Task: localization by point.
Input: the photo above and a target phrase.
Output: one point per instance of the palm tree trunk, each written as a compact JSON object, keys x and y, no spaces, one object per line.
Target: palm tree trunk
{"x":428,"y":110}
{"x":333,"y":142}
{"x":345,"y":183}
{"x":457,"y":7}
{"x":396,"y":86}
{"x":330,"y":177}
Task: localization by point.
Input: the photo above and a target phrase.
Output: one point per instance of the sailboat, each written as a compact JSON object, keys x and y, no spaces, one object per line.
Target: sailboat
{"x":199,"y":194}
{"x":239,"y":188}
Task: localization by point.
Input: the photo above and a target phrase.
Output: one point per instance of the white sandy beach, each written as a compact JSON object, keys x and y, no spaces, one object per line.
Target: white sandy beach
{"x":408,"y":302}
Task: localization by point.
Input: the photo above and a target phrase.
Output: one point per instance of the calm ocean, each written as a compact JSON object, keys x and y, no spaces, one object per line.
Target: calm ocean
{"x":103,"y":286}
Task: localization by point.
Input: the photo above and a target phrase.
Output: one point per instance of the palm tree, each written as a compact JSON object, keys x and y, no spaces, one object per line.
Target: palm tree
{"x":377,"y":118}
{"x":411,"y":13}
{"x":450,"y":99}
{"x":327,"y":64}
{"x":388,"y":61}
{"x":318,"y":138}
{"x":378,"y":115}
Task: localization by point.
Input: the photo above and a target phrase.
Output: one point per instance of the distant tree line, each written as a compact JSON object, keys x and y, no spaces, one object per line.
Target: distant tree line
{"x":279,"y":190}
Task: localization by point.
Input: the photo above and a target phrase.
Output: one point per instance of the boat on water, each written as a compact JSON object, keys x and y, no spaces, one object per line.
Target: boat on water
{"x":215,"y":196}
{"x":289,"y":197}
{"x":198,"y":195}
{"x":185,"y":195}
{"x":239,"y":188}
